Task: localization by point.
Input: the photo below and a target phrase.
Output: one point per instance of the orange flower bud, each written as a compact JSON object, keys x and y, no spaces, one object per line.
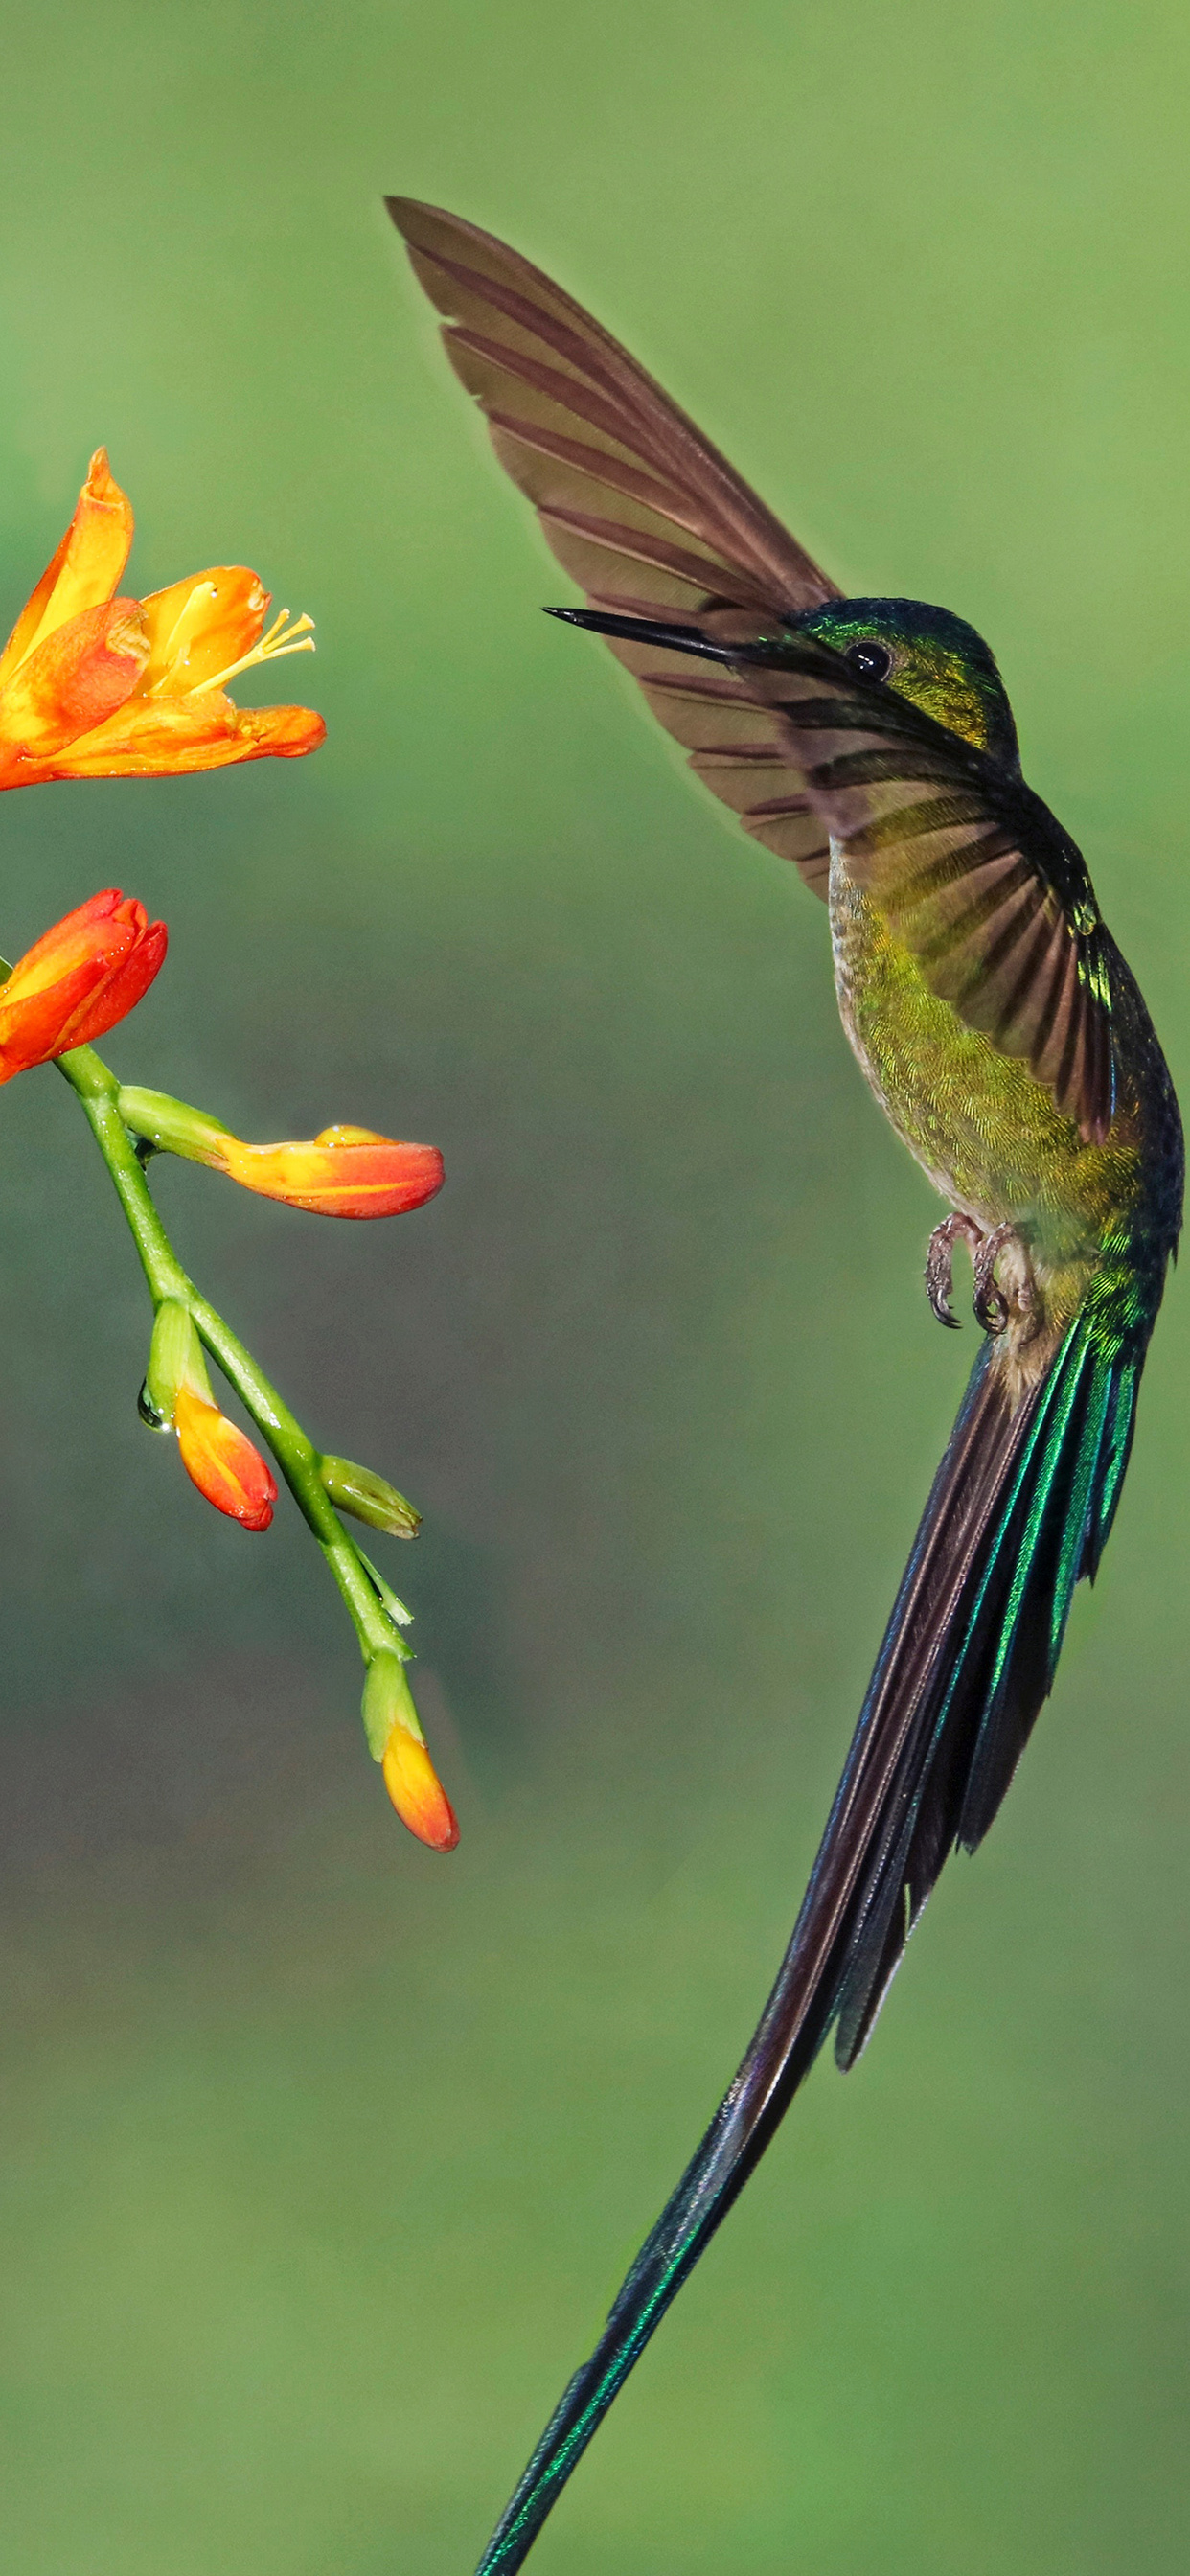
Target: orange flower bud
{"x":77,"y":980}
{"x":92,"y":686}
{"x":222,"y":1463}
{"x":417,"y":1792}
{"x":397,"y":1742}
{"x":346,"y":1171}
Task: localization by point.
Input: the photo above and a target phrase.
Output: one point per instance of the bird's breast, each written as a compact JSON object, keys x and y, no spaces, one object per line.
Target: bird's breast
{"x":986,"y":1132}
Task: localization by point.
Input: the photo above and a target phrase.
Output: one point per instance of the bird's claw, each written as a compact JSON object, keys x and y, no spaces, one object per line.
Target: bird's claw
{"x":993,"y":1305}
{"x":940,"y":1263}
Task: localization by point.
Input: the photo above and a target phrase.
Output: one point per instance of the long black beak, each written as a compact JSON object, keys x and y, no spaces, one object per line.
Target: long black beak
{"x":648,"y":630}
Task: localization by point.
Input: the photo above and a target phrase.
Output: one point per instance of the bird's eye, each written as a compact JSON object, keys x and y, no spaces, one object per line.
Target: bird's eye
{"x":872,"y":661}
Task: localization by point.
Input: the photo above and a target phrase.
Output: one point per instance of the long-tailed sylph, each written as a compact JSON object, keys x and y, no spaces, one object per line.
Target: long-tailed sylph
{"x":871,"y":742}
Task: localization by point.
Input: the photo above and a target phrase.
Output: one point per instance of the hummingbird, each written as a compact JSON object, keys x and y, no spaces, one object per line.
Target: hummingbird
{"x":871,"y":743}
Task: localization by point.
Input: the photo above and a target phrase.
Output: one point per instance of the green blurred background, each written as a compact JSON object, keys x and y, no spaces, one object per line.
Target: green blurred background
{"x":321,"y":2157}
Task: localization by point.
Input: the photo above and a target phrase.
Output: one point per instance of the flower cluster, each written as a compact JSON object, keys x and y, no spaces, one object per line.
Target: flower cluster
{"x":93,"y":685}
{"x":98,"y":686}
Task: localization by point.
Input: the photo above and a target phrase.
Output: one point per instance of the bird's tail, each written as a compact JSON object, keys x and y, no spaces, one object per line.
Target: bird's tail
{"x":1020,"y":1508}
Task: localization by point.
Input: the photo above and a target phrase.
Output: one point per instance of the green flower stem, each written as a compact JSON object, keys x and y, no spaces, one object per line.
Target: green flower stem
{"x":299,"y":1461}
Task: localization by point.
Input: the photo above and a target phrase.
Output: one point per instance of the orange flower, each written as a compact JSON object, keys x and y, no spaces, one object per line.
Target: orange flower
{"x":222,"y":1463}
{"x":77,"y":980}
{"x":95,"y":686}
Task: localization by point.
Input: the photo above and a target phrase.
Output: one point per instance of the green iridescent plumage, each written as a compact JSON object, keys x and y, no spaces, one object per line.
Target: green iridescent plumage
{"x":870,"y":742}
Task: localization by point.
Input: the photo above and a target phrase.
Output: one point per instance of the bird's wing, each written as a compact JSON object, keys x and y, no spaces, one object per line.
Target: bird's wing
{"x":968,"y":867}
{"x":640,"y":508}
{"x":970,"y":870}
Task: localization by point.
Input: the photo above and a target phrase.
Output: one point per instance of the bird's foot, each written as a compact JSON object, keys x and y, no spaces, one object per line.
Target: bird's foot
{"x":995,"y":1299}
{"x":940,"y":1263}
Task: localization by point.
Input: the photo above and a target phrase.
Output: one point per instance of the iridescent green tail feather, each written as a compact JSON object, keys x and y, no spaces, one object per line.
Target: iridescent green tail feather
{"x":1020,"y":1509}
{"x":1055,"y":1471}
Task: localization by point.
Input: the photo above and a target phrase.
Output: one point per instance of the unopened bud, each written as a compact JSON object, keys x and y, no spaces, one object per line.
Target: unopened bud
{"x":344,"y":1171}
{"x":223,"y":1463}
{"x":91,"y":968}
{"x":396,"y":1741}
{"x":175,"y":1360}
{"x":370,"y":1497}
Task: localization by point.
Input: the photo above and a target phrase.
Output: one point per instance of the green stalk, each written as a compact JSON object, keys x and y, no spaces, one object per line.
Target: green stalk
{"x":297,"y":1458}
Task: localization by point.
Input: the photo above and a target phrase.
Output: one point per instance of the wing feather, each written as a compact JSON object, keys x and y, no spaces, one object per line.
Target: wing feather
{"x":640,"y":508}
{"x":974,"y":875}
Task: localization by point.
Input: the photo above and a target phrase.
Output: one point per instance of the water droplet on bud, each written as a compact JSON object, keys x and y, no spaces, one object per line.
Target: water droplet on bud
{"x":148,"y":1411}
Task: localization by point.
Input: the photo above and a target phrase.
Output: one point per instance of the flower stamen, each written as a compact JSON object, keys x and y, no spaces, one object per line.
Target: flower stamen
{"x":282,"y":638}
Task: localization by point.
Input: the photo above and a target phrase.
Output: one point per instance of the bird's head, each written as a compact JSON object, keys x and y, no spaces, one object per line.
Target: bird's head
{"x":925,"y":654}
{"x":930,"y":657}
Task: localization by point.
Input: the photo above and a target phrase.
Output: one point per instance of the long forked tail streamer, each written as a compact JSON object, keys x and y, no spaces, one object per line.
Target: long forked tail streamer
{"x":1020,"y":1507}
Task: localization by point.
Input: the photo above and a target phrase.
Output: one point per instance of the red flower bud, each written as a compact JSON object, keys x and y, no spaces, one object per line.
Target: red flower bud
{"x":77,"y":980}
{"x":222,"y":1463}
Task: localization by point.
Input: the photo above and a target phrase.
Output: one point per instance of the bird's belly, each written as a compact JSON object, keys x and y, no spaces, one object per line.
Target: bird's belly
{"x":987,"y":1134}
